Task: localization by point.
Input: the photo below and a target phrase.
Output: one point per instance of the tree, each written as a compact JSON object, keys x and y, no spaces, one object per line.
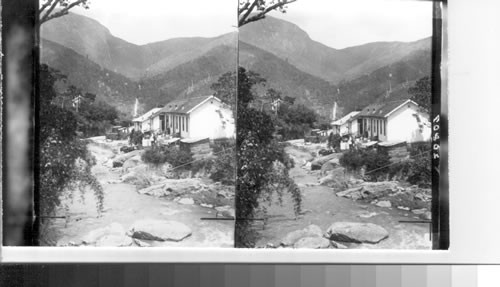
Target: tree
{"x":50,"y":9}
{"x":259,"y":8}
{"x":65,"y":161}
{"x":294,"y":121}
{"x":262,"y":164}
{"x":421,"y":93}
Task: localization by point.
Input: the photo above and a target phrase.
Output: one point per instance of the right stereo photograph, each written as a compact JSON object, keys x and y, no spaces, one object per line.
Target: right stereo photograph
{"x":340,"y":125}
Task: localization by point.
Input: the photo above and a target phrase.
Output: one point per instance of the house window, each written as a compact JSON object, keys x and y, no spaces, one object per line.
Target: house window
{"x":182,"y":123}
{"x":187,"y":124}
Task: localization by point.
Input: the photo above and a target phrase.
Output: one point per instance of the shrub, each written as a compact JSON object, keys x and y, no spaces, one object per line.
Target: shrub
{"x":174,"y":156}
{"x":334,"y":141}
{"x":65,"y":161}
{"x":154,"y":156}
{"x":419,"y":171}
{"x":224,"y":168}
{"x":376,"y":163}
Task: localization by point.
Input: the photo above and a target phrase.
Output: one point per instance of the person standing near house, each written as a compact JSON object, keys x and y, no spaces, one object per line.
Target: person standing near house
{"x":138,"y":139}
{"x":131,"y":137}
{"x":153,"y":142}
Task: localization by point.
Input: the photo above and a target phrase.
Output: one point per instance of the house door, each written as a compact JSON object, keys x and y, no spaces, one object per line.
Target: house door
{"x":162,"y":123}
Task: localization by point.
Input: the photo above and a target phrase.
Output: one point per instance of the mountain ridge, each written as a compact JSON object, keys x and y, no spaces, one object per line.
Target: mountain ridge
{"x":182,"y":67}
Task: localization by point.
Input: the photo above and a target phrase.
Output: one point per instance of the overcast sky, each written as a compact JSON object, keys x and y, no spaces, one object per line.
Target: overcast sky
{"x":336,"y":23}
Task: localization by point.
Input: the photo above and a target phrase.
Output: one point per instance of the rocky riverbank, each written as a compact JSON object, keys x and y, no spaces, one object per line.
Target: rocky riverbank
{"x":145,"y":206}
{"x":341,"y":210}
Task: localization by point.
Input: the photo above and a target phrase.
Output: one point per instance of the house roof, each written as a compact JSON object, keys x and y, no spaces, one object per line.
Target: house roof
{"x":383,"y":110}
{"x":345,"y":118}
{"x":147,"y":115}
{"x":185,"y":106}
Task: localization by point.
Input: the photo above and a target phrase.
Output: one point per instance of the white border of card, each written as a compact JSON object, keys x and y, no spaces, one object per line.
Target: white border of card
{"x":473,"y":73}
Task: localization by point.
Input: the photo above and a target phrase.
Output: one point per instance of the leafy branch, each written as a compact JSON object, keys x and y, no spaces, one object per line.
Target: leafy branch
{"x":254,"y":10}
{"x":48,"y":9}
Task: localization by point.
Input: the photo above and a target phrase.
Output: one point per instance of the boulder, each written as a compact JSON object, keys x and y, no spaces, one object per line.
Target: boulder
{"x":312,"y":243}
{"x":159,"y":230}
{"x":424,"y":196}
{"x":356,"y":232}
{"x":384,"y":203}
{"x":352,"y":193}
{"x":377,"y":189}
{"x":371,"y":190}
{"x":183,"y":185}
{"x":330,"y":168}
{"x":319,"y":162}
{"x":336,"y":179}
{"x":327,"y":167}
{"x":426,"y":216}
{"x":366,"y":214}
{"x":292,"y":237}
{"x":225,"y":211}
{"x":119,"y":160}
{"x":135,"y":179}
{"x":186,"y":201}
{"x":159,"y":190}
{"x":419,"y":211}
{"x":131,"y":162}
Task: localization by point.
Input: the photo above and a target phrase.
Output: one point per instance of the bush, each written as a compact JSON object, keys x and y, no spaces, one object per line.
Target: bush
{"x":65,"y":161}
{"x":376,"y":163}
{"x":334,"y":141}
{"x":154,"y":156}
{"x":419,"y":167}
{"x":420,"y":171}
{"x":224,"y":169}
{"x":174,"y":156}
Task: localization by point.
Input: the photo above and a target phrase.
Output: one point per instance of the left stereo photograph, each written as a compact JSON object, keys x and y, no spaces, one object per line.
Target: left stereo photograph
{"x":136,"y":124}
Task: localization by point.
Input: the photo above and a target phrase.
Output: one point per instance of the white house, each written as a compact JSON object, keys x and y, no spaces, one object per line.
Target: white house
{"x":401,"y":120}
{"x":198,"y":117}
{"x":346,"y":125}
{"x":144,"y":123}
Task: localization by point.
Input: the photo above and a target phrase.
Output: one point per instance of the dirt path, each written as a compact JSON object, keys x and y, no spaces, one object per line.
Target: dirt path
{"x":123,"y":205}
{"x":322,"y":207}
